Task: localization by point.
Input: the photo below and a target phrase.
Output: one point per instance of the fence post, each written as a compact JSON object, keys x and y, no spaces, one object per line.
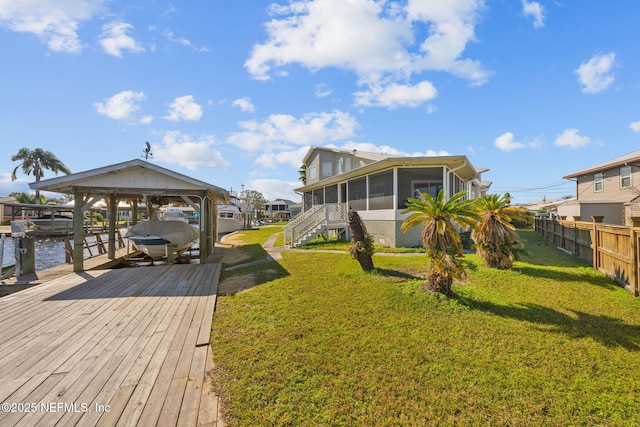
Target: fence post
{"x":575,"y":238}
{"x":635,"y":278}
{"x":595,"y":241}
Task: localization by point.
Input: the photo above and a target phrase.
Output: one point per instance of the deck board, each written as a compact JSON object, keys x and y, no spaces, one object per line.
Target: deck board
{"x":133,"y":340}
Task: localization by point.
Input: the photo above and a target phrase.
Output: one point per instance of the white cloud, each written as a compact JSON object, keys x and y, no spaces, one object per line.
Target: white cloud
{"x":8,"y":186}
{"x":377,"y":40}
{"x":293,"y":158}
{"x":534,"y":10}
{"x":120,"y":106}
{"x":635,"y":126}
{"x":397,"y":95}
{"x":145,"y":120}
{"x":54,"y":22}
{"x":595,"y":75}
{"x":280,"y":131}
{"x":505,"y":142}
{"x":323,"y":90}
{"x":244,"y":104}
{"x":188,"y":151}
{"x":570,"y":138}
{"x":386,"y":149}
{"x":184,"y":108}
{"x":180,"y":40}
{"x":114,"y":39}
{"x":273,"y":189}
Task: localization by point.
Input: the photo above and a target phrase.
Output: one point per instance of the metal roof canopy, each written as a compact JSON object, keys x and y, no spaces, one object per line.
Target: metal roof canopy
{"x":135,"y":179}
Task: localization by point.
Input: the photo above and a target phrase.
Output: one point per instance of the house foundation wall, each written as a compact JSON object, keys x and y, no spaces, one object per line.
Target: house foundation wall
{"x":387,"y":233}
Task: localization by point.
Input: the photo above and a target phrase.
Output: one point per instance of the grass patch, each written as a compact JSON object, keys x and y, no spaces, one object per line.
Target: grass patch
{"x":335,"y":244}
{"x":551,"y":342}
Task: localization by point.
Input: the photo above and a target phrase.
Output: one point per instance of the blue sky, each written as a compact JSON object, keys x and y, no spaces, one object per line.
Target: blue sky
{"x":235,"y":92}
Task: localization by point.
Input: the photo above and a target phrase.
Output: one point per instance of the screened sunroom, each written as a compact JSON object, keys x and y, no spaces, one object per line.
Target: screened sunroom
{"x":380,"y":189}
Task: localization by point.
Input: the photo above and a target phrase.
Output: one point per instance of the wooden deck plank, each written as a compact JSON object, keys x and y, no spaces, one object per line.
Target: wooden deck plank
{"x":208,"y":413}
{"x":119,"y":339}
{"x":80,"y":365}
{"x":56,"y":342}
{"x":134,"y":409}
{"x":96,"y":376}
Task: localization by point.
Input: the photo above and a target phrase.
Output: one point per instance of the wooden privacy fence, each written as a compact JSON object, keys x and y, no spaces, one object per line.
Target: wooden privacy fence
{"x":611,"y":249}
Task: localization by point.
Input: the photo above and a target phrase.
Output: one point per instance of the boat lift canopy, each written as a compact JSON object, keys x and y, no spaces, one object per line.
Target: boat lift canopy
{"x":136,"y":180}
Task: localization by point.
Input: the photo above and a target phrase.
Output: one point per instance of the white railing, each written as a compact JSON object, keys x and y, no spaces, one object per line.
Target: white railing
{"x":313,"y":222}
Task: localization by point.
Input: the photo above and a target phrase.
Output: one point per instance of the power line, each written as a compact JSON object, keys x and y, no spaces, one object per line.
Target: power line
{"x":552,"y":187}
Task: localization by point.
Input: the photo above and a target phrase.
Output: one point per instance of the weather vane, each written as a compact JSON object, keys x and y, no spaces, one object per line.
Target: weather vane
{"x":147,"y":151}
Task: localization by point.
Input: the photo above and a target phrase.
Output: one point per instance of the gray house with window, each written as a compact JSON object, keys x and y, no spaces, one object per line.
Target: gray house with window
{"x":609,"y":190}
{"x":377,"y":186}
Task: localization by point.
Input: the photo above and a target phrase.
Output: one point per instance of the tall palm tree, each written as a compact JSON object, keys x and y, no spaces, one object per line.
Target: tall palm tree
{"x":34,"y":162}
{"x":302,"y":174}
{"x":495,"y":237}
{"x":440,"y":237}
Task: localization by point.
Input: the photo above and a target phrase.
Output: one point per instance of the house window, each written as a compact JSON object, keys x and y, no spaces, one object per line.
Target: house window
{"x":308,"y":200}
{"x":432,"y":188}
{"x":381,"y":191}
{"x":318,"y":197}
{"x":625,"y":177}
{"x":598,"y":182}
{"x":326,"y":169}
{"x":357,"y":194}
{"x":331,"y":194}
{"x":313,"y":172}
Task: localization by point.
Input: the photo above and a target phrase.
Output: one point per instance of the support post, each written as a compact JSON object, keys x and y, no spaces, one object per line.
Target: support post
{"x":78,"y":232}
{"x":170,"y":252}
{"x":113,"y":222}
{"x":204,"y":228}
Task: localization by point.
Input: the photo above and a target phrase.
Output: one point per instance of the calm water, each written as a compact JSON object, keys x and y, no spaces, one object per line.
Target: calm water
{"x":49,"y":253}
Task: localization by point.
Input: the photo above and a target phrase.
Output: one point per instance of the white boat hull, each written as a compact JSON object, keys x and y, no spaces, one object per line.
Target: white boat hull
{"x":57,"y":224}
{"x":156,"y":247}
{"x":152,"y":237}
{"x":229,"y":219}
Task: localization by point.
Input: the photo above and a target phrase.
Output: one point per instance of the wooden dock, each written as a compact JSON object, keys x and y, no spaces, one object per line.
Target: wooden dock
{"x":111,"y":347}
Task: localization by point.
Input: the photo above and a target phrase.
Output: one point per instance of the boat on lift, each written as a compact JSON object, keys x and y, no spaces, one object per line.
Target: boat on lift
{"x":152,"y":237}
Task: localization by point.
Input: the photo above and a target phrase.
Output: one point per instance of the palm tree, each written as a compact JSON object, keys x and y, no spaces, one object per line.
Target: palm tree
{"x":441,"y":239}
{"x":28,"y":198}
{"x":302,"y":174}
{"x":495,"y":237}
{"x":34,"y":162}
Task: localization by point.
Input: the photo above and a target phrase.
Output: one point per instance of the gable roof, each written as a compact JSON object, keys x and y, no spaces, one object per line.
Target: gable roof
{"x":461,"y":164}
{"x":625,"y":160}
{"x":361,"y":154}
{"x":131,"y":179}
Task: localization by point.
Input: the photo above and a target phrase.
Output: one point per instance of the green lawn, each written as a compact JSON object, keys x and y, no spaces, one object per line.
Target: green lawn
{"x":550,"y":343}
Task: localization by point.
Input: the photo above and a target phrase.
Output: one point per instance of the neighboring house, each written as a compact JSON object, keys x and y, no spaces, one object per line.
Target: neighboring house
{"x":609,"y":190}
{"x":377,"y":186}
{"x":278,"y":210}
{"x":7,"y":211}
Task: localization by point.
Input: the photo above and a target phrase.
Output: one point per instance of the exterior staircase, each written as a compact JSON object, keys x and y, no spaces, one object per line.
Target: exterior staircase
{"x":317,"y":221}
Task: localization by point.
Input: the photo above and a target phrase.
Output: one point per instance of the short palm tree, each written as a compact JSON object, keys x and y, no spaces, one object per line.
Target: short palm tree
{"x":495,"y":238}
{"x":34,"y":162}
{"x":440,"y":236}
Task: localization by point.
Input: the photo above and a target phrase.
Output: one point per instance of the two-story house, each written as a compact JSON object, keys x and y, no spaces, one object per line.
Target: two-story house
{"x":278,"y":210}
{"x":377,"y":186}
{"x":609,"y":190}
